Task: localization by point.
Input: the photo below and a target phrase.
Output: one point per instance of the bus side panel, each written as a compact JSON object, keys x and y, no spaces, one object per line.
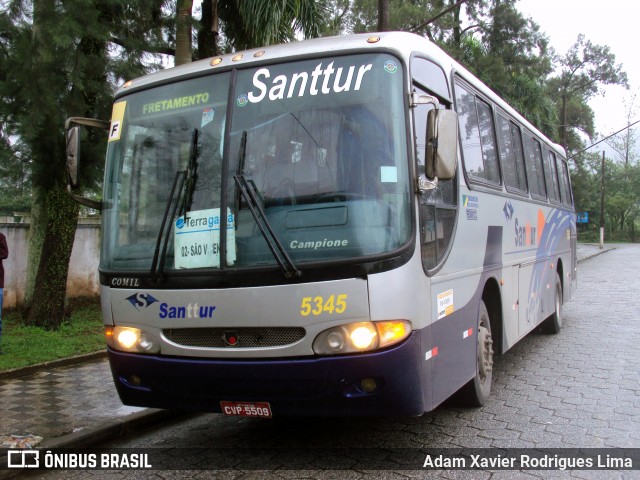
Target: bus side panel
{"x":510,"y":307}
{"x":455,"y":333}
{"x":571,"y":275}
{"x":404,"y":293}
{"x":452,"y":357}
{"x":537,"y":278}
{"x":531,"y":306}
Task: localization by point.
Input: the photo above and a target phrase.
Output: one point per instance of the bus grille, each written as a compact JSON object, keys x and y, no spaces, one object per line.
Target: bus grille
{"x":245,"y":337}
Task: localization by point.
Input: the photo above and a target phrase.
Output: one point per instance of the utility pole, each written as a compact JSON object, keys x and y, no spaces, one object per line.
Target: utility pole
{"x":602,"y":205}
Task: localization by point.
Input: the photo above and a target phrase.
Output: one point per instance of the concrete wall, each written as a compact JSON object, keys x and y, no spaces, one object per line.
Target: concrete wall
{"x":82,"y":280}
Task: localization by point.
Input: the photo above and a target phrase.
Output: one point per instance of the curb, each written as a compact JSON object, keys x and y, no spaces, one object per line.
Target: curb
{"x":89,"y":436}
{"x":93,"y":436}
{"x":103,"y":432}
{"x":597,"y":254}
{"x":63,"y":362}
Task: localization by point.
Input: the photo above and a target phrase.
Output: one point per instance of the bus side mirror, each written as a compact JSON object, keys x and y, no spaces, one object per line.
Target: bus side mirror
{"x":73,"y":157}
{"x":72,"y":134}
{"x":442,"y":144}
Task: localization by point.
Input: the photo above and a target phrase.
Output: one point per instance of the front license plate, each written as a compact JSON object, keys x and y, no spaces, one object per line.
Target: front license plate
{"x":246,"y":409}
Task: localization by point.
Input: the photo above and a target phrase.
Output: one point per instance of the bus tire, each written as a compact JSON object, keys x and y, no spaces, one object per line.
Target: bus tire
{"x":553,"y":324}
{"x":476,"y":392}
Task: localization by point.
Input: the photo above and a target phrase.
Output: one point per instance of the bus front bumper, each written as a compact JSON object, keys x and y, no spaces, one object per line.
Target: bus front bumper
{"x":385,"y":383}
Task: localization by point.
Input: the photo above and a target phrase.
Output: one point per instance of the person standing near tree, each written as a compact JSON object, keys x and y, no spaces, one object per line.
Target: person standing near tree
{"x":4,"y":253}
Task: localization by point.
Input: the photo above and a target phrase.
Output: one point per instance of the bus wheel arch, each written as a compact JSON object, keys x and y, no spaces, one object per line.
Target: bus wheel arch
{"x":493,"y":301}
{"x":560,"y":270}
{"x":489,"y":323}
{"x":553,"y":324}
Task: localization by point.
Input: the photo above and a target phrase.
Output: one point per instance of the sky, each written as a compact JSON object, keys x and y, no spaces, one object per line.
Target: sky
{"x":610,"y":22}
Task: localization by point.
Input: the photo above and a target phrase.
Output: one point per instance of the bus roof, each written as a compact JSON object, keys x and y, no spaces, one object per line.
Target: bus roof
{"x":403,"y":44}
{"x":400,"y":42}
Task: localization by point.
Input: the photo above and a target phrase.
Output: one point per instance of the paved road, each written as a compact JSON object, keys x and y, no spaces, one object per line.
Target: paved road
{"x":580,"y":388}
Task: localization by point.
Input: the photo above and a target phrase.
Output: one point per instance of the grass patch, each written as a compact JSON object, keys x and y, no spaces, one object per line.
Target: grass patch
{"x":82,"y":332}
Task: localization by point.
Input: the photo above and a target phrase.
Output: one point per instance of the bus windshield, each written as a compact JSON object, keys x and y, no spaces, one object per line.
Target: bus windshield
{"x":319,"y":147}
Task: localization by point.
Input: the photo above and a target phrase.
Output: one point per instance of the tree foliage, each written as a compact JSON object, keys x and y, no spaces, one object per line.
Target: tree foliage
{"x":15,"y":176}
{"x":510,"y":54}
{"x":624,"y":193}
{"x":254,"y":23}
{"x":583,"y":71}
{"x":60,"y":58}
{"x":229,"y":25}
{"x":621,"y":183}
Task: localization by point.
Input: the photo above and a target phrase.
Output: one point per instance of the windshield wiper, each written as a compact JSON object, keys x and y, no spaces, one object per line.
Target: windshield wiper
{"x":178,"y":181}
{"x":247,"y":189}
{"x":191,"y":174}
{"x":183,"y":178}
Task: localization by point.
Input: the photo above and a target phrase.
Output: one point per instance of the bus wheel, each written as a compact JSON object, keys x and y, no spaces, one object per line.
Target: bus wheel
{"x":476,"y":392}
{"x":553,"y":324}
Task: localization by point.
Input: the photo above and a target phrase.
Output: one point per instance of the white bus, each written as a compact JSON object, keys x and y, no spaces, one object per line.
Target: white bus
{"x":342,"y":226}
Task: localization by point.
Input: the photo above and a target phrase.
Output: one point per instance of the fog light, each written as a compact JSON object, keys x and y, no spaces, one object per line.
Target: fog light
{"x":368,"y":385}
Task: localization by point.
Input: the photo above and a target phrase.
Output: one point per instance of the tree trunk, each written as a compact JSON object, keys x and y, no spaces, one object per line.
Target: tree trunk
{"x":457,"y":29}
{"x":54,"y":213}
{"x":208,"y":32}
{"x":183,"y":32}
{"x":383,"y":15}
{"x":47,"y":305}
{"x":37,"y":227}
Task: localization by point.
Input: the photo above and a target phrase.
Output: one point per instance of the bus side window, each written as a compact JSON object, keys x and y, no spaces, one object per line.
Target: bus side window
{"x":519,"y":153}
{"x":420,"y":123}
{"x":478,"y":137}
{"x":563,"y":172}
{"x":551,"y":174}
{"x":431,"y":75}
{"x":511,"y":155}
{"x":535,"y":172}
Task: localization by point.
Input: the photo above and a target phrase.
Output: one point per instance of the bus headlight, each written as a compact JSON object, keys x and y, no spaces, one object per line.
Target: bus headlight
{"x":361,"y":337}
{"x":129,"y":339}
